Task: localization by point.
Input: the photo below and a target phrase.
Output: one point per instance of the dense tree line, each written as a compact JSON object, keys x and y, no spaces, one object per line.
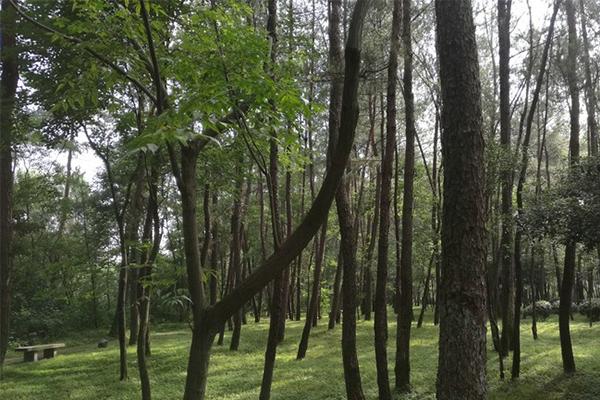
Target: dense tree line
{"x":225,"y":131}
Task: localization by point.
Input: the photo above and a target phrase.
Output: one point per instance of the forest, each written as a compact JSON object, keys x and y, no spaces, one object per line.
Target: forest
{"x":299,"y":199}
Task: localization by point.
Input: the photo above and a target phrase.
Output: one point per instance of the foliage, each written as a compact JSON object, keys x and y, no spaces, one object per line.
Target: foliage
{"x":591,"y":309}
{"x":571,"y":211}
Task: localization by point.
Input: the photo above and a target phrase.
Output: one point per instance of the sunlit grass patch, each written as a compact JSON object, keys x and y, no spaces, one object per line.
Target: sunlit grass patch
{"x":85,"y":372}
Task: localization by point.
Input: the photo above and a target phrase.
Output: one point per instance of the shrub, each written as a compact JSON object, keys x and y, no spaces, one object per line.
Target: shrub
{"x":591,"y":309}
{"x":543,"y":309}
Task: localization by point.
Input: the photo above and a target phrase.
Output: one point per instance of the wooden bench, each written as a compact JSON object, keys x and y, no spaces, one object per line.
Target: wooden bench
{"x":32,"y":353}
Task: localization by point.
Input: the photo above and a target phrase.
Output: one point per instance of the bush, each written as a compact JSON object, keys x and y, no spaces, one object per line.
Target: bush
{"x":591,"y":309}
{"x":543,"y":309}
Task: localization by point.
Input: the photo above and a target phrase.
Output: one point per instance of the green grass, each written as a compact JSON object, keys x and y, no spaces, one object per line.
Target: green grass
{"x":85,"y":372}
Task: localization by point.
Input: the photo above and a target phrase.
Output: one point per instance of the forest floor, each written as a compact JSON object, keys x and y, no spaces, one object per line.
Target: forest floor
{"x":84,"y":372}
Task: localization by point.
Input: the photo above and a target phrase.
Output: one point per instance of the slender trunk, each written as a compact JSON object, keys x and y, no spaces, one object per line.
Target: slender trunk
{"x":520,"y":185}
{"x":405,"y":314}
{"x":314,"y":297}
{"x":134,"y":258}
{"x":151,"y":231}
{"x":214,"y":254}
{"x":277,"y":311}
{"x":533,"y":285}
{"x":506,"y":241}
{"x":341,"y":107}
{"x":570,"y":250}
{"x":236,"y":257}
{"x":425,"y":298}
{"x":334,"y":314}
{"x":590,"y":91}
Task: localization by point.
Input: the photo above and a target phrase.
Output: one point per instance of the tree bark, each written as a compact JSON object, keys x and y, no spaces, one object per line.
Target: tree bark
{"x":311,"y":313}
{"x":462,"y":344}
{"x":236,"y":257}
{"x":8,"y":91}
{"x":590,"y":91}
{"x":506,"y":240}
{"x":405,"y":314}
{"x":566,"y":289}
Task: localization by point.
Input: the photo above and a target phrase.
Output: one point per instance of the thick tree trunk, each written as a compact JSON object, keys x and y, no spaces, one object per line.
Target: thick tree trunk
{"x":8,"y":90}
{"x":462,"y":346}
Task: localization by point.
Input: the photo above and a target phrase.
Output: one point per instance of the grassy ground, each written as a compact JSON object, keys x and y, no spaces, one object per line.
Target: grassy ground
{"x":85,"y":372}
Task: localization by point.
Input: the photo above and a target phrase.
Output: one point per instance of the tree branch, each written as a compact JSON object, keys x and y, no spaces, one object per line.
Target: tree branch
{"x":88,"y":49}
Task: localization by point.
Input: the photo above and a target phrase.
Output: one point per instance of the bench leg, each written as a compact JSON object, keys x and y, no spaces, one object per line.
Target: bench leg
{"x":30,"y":356}
{"x":50,"y":353}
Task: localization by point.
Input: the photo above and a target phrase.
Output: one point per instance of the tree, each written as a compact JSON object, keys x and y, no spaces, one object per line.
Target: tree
{"x":566,"y":288}
{"x":405,"y":314}
{"x":520,"y":185}
{"x":462,"y":345}
{"x":506,"y":241}
{"x":8,"y":90}
{"x":387,"y":169}
{"x":343,"y":112}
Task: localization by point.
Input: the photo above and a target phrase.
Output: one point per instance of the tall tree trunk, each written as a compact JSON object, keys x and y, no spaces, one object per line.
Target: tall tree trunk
{"x":566,"y":289}
{"x":214,"y":253}
{"x":343,"y":111}
{"x":8,"y":90}
{"x":462,"y":344}
{"x":520,"y":185}
{"x":368,"y":264}
{"x":277,"y":308}
{"x":405,"y":315}
{"x":506,"y":241}
{"x":590,"y":92}
{"x":151,"y":231}
{"x":119,"y":208}
{"x":131,"y":231}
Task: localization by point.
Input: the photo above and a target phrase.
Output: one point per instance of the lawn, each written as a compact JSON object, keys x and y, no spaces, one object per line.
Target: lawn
{"x":84,"y":372}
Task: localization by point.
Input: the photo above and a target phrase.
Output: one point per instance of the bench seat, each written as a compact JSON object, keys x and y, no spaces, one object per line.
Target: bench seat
{"x":32,"y":353}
